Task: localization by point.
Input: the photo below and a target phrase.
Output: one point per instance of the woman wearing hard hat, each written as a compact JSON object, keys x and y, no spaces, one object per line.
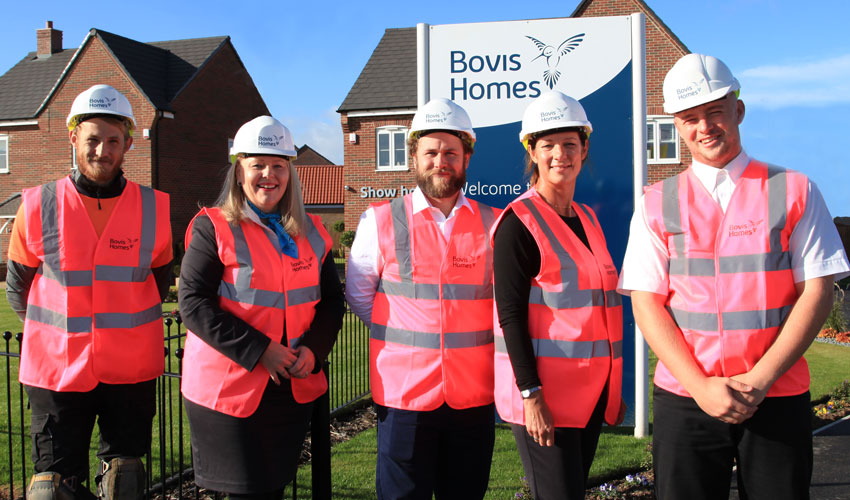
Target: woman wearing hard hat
{"x":558,"y":363}
{"x":262,"y":303}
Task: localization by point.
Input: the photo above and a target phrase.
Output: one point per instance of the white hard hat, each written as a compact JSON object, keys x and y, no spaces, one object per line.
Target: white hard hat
{"x":100,"y":100}
{"x":696,"y":79}
{"x":263,"y":135}
{"x":552,"y":110}
{"x":442,"y":114}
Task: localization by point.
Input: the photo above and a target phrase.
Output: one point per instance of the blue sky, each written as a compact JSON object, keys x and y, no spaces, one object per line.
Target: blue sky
{"x":793,"y":61}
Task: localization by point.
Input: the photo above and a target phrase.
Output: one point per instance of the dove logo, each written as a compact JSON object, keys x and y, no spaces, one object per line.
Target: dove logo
{"x":101,"y":102}
{"x":269,"y":141}
{"x":553,"y":57}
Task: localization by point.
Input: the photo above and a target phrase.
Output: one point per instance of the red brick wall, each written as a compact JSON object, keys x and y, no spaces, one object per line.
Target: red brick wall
{"x":662,"y":51}
{"x":360,"y":161}
{"x":192,"y":147}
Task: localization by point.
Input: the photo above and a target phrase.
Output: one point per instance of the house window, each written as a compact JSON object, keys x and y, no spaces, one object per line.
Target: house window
{"x":392,"y":148}
{"x":4,"y":153}
{"x":662,"y":140}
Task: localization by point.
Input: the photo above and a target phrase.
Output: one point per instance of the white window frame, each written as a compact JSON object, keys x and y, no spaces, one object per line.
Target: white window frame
{"x":391,"y":131}
{"x":4,"y":165}
{"x":654,"y":122}
{"x":74,"y":165}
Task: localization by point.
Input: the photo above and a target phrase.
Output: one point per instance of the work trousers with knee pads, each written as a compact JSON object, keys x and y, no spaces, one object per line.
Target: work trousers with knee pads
{"x":62,"y":423}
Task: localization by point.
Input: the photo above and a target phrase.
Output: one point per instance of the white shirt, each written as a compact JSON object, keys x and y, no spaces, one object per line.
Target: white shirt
{"x":365,"y":262}
{"x":815,"y":247}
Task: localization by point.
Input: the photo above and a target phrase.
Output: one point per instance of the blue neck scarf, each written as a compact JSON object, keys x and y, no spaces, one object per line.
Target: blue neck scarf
{"x":287,"y":244}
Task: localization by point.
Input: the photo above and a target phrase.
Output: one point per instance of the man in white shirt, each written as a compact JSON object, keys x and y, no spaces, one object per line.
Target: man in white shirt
{"x":730,"y":266}
{"x":421,"y":275}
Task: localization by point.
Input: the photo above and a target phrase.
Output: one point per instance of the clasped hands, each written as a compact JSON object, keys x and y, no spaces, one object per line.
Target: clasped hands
{"x":282,"y":361}
{"x":730,"y":399}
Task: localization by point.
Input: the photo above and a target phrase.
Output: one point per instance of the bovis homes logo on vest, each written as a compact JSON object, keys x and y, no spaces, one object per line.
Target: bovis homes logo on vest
{"x":125,"y":244}
{"x":101,"y":102}
{"x":503,"y":70}
{"x":748,"y":228}
{"x":303,"y":264}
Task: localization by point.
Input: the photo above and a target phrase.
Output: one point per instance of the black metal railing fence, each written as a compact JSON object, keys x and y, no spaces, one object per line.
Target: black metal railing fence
{"x":169,"y":461}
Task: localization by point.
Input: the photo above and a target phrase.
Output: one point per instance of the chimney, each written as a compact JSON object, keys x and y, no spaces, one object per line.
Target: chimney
{"x":49,"y":41}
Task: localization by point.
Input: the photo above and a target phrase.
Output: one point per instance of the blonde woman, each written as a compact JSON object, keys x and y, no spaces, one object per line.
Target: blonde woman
{"x":262,"y":303}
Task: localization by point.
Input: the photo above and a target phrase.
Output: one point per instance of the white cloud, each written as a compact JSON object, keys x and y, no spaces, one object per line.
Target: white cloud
{"x":818,"y":83}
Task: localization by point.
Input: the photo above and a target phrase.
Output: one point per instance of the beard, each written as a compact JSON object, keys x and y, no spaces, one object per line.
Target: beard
{"x":438,"y":188}
{"x":100,"y":173}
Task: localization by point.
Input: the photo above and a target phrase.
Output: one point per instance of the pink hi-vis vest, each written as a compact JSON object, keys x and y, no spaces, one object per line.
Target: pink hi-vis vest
{"x":730,"y":277}
{"x":267,"y":289}
{"x":432,"y":323}
{"x":575,"y":319}
{"x":93,"y":311}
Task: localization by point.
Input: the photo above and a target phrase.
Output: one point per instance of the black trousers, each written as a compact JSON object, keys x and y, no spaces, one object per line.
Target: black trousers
{"x":444,"y":452}
{"x":62,"y":423}
{"x":561,"y":471}
{"x":693,"y":453}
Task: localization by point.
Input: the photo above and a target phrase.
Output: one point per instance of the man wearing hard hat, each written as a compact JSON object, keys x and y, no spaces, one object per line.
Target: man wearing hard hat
{"x":730,"y":266}
{"x":421,"y":274}
{"x":89,"y":264}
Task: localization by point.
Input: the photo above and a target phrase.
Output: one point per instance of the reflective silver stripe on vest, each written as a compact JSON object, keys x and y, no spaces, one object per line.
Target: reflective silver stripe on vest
{"x":402,"y":240}
{"x":65,"y":278}
{"x":264,"y":298}
{"x":425,"y":340}
{"x":124,"y":274}
{"x":670,"y":212}
{"x":732,"y":320}
{"x":459,"y":340}
{"x":587,"y":214}
{"x":450,"y":291}
{"x":570,"y":349}
{"x":303,"y":295}
{"x":128,"y":320}
{"x":294,"y":343}
{"x":406,"y":337}
{"x":613,"y":298}
{"x":52,"y":266}
{"x":60,"y":321}
{"x":568,"y":299}
{"x":317,"y":243}
{"x":691,"y":267}
{"x":148,"y":236}
{"x":760,"y":262}
{"x":777,"y":208}
{"x":409,"y":289}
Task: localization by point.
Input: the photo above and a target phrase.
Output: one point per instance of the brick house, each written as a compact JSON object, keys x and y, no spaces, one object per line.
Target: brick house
{"x":175,"y":87}
{"x":378,"y":109}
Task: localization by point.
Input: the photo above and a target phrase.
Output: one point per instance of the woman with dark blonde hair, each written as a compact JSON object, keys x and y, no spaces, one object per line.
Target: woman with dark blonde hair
{"x":558,"y":362}
{"x":262,"y":303}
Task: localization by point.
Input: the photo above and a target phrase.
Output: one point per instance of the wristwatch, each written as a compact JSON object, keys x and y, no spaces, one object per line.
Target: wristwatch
{"x":526,"y":393}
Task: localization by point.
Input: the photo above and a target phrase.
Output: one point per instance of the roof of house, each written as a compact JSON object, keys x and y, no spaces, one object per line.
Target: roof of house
{"x":321,"y":184}
{"x":309,"y":156}
{"x":388,"y":81}
{"x":160,"y":69}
